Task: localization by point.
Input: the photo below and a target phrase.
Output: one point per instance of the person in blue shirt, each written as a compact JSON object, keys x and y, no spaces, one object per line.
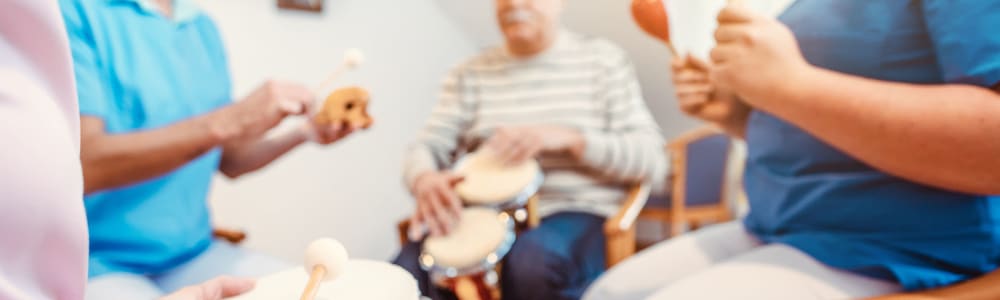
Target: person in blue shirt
{"x":873,"y":131}
{"x":157,"y":122}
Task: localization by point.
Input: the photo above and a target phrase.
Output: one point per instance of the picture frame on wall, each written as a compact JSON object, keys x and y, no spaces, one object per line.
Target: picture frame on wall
{"x":303,"y":5}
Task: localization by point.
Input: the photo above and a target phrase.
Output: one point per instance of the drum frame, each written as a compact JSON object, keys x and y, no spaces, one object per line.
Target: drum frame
{"x":441,"y":274}
{"x":515,"y":202}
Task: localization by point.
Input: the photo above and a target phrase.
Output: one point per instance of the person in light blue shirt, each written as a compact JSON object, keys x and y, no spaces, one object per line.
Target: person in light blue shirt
{"x":157,"y":122}
{"x":873,"y":129}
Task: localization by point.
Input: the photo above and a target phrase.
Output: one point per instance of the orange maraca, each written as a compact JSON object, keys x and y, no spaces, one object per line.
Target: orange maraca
{"x":651,"y":15}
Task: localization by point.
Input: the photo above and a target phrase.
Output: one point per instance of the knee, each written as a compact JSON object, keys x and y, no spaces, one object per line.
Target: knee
{"x":608,"y":287}
{"x":532,"y":271}
{"x":409,"y":258}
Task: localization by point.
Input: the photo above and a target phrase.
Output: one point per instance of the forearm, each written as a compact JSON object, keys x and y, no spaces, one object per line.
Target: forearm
{"x":627,"y":157}
{"x":244,"y":157}
{"x":111,"y":161}
{"x":946,"y":136}
{"x":419,"y":159}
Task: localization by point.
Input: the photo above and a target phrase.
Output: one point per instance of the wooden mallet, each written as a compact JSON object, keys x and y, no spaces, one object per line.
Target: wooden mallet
{"x":325,"y":261}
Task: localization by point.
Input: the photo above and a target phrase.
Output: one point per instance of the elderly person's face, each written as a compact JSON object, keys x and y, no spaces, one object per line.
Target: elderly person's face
{"x":529,"y":26}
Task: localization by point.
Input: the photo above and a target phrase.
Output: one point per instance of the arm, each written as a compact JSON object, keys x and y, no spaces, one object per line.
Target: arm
{"x":432,"y":151}
{"x":437,"y":205}
{"x":631,"y":149}
{"x":117,"y":160}
{"x":904,"y":129}
{"x":241,"y":158}
{"x":939,"y":135}
{"x":114,"y":160}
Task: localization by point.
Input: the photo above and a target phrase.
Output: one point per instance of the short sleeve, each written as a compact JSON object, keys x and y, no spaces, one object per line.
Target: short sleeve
{"x":92,"y":89}
{"x":964,"y":35}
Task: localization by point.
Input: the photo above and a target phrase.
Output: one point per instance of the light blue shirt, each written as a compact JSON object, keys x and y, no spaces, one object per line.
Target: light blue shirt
{"x":138,"y":70}
{"x":845,"y":213}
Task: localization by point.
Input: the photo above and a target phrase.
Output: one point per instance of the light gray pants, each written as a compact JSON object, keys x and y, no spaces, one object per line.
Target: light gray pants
{"x":220,"y":259}
{"x":726,"y":262}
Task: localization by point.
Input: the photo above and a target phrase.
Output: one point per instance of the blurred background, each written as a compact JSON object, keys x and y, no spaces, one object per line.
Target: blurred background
{"x":353,"y":191}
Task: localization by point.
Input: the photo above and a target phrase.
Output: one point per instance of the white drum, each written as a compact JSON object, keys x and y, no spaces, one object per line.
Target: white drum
{"x":482,"y":237}
{"x":361,"y":279}
{"x":488,"y":182}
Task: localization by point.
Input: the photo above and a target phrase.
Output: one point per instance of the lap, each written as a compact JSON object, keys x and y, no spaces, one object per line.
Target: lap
{"x":646,"y":272}
{"x":774,"y":271}
{"x":122,"y":286}
{"x":563,"y":235}
{"x":220,"y":259}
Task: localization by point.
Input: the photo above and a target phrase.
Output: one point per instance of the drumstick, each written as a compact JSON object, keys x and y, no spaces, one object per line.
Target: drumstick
{"x":314,"y":280}
{"x":325,"y":261}
{"x":353,"y":58}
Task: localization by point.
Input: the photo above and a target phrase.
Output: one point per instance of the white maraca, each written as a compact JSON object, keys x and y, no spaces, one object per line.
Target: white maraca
{"x":329,"y":254}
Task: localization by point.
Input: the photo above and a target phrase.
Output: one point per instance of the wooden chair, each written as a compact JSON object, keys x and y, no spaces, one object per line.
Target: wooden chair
{"x":232,"y":236}
{"x":699,"y":160}
{"x":986,"y":287}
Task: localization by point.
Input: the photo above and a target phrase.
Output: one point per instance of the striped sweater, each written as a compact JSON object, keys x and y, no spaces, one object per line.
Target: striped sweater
{"x":580,"y":82}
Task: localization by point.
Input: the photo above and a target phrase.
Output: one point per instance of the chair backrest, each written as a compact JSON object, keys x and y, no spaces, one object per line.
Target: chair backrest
{"x":706,"y":163}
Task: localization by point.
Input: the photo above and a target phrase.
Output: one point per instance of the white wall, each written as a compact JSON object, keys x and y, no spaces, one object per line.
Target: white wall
{"x":350,"y":191}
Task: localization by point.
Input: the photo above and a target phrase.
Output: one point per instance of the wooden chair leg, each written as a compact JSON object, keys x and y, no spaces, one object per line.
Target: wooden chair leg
{"x":620,"y":246}
{"x":534,"y":218}
{"x":677,"y":228}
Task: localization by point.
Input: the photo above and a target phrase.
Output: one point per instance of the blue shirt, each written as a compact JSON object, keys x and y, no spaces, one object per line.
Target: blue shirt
{"x":807,"y":194}
{"x":138,"y":70}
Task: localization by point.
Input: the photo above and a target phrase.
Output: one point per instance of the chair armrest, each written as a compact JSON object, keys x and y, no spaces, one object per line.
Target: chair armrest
{"x":986,"y":287}
{"x":403,"y":228}
{"x":619,"y":230}
{"x":625,"y":218}
{"x":693,"y":135}
{"x":230,"y":235}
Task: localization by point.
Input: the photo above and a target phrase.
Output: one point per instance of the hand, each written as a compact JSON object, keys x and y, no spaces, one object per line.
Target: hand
{"x":699,"y":97}
{"x":325,"y":134}
{"x":438,"y":207}
{"x":215,"y":289}
{"x":756,"y":56}
{"x":514,"y":145}
{"x":262,"y":110}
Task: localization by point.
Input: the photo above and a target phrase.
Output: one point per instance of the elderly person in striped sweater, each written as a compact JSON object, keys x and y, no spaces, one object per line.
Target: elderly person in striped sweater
{"x":568,"y":100}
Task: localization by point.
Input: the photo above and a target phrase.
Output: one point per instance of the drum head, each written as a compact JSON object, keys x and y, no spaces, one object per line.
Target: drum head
{"x":490,"y":182}
{"x":482,"y":237}
{"x":362,"y":279}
